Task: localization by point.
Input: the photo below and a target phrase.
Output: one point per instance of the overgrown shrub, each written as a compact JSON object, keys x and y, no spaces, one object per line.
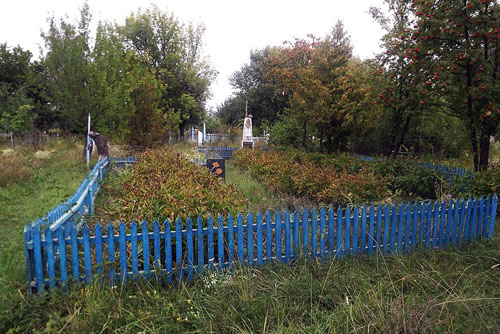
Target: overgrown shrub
{"x":164,"y":184}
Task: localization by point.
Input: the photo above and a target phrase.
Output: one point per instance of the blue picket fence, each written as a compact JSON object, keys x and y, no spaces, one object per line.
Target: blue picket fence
{"x":174,"y":251}
{"x":223,"y":152}
{"x":80,"y":203}
{"x":120,"y":162}
{"x":450,"y":173}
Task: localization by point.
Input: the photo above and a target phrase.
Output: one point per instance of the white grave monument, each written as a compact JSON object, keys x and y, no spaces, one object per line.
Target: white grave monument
{"x":247,"y":140}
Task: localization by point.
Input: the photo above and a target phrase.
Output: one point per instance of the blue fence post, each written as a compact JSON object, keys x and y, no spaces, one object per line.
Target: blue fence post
{"x":331,"y":231}
{"x":371,"y":229}
{"x":210,"y":243}
{"x":278,"y":234}
{"x":239,"y":229}
{"x":322,"y":233}
{"x":123,"y":252}
{"x":347,"y":241}
{"x":190,"y":255}
{"x":287,"y":236}
{"x":269,"y":237}
{"x":220,"y":243}
{"x":133,"y":244}
{"x":62,"y":258}
{"x":250,"y":240}
{"x":168,"y":250}
{"x":98,"y":247}
{"x":199,"y":239}
{"x":486,"y":221}
{"x":259,"y":240}
{"x":493,"y":216}
{"x":38,"y":262}
{"x":363,"y":229}
{"x":111,"y":254}
{"x":51,"y":270}
{"x":386,"y":229}
{"x":305,"y":232}
{"x":86,"y":254}
{"x":145,"y":248}
{"x":339,"y":233}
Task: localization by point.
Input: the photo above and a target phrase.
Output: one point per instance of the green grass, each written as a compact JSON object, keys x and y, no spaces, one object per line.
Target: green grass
{"x":52,"y":180}
{"x":447,"y":291}
{"x":260,"y":198}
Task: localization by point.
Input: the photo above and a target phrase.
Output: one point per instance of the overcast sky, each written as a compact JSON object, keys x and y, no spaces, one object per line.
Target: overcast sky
{"x":233,"y":28}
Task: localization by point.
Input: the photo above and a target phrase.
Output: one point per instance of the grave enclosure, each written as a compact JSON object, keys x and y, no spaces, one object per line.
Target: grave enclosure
{"x":61,"y":250}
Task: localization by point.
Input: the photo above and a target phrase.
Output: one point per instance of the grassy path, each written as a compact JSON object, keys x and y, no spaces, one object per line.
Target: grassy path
{"x":53,"y":179}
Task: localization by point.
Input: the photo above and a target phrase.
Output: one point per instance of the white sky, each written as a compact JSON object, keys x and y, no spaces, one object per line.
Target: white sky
{"x":233,"y":28}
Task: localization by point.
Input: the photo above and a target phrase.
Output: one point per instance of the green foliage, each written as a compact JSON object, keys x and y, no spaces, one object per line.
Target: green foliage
{"x":285,"y":132}
{"x":164,"y":184}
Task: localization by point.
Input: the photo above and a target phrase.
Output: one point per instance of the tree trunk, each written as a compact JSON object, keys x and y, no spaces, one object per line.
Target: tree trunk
{"x":484,"y":151}
{"x":401,"y":139}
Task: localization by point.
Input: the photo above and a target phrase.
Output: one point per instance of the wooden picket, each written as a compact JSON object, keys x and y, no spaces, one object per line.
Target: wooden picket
{"x":182,"y":249}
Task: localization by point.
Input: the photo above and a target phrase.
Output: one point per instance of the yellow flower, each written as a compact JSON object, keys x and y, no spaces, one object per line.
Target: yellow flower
{"x":188,"y":301}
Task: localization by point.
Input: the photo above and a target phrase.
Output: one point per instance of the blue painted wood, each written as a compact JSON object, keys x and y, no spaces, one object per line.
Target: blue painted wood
{"x":493,"y":210}
{"x":86,"y":255}
{"x":98,"y":248}
{"x":394,"y":227}
{"x":250,"y":260}
{"x":378,"y":239}
{"x":145,"y":248}
{"x":123,"y":252}
{"x":49,"y":247}
{"x":168,"y":250}
{"x":277,"y":217}
{"x":178,"y":249}
{"x":288,"y":237}
{"x":230,"y":239}
{"x":28,"y":252}
{"x":241,"y":249}
{"x":259,"y":240}
{"x":135,"y":254}
{"x":296,"y":233}
{"x":220,"y":242}
{"x":210,"y":242}
{"x":468,"y":216}
{"x":37,"y":248}
{"x":407,"y":229}
{"x":74,"y":254}
{"x":479,"y":225}
{"x":355,"y":230}
{"x":305,"y":232}
{"x":331,"y":232}
{"x":428,"y":225}
{"x":474,"y":219}
{"x":363,"y":229}
{"x":322,"y":234}
{"x":156,"y":244}
{"x":199,"y":240}
{"x":454,"y":226}
{"x":347,"y":230}
{"x":190,"y":250}
{"x":269,"y":236}
{"x":461,"y":221}
{"x":436,"y":222}
{"x":371,"y":230}
{"x":339,"y":227}
{"x":385,"y":245}
{"x":62,"y":259}
{"x":485,"y":224}
{"x":415,"y":225}
{"x":314,"y":233}
{"x":111,"y":254}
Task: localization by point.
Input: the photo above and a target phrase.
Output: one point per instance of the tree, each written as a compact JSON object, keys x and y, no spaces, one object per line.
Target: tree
{"x":16,"y":108}
{"x":313,"y":73}
{"x":459,"y":39}
{"x":173,"y":50}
